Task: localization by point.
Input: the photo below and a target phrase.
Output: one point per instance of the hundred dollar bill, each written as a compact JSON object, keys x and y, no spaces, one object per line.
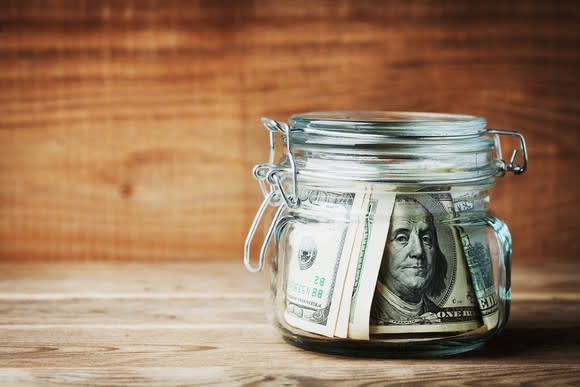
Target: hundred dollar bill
{"x":368,"y":252}
{"x":317,"y":261}
{"x":358,"y":223}
{"x":423,"y":283}
{"x":478,"y":257}
{"x":469,"y":201}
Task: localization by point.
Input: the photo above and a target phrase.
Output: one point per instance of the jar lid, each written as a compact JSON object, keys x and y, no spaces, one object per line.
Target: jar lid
{"x":404,"y":148}
{"x":398,"y":147}
{"x":377,"y":125}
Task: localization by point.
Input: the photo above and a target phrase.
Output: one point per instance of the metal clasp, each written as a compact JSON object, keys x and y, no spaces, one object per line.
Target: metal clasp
{"x":511,"y":166}
{"x":273,"y":175}
{"x":269,"y":173}
{"x":270,"y":198}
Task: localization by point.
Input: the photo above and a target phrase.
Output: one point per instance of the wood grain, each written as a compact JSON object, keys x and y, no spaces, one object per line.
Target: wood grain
{"x":128,"y":129}
{"x":148,"y":329}
{"x":553,"y":279}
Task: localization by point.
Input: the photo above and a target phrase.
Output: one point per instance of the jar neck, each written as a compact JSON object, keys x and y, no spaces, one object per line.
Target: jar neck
{"x":431,"y":161}
{"x":321,"y":194}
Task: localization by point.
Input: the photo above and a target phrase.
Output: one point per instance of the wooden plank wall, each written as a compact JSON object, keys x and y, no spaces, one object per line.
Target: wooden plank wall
{"x":128,"y":129}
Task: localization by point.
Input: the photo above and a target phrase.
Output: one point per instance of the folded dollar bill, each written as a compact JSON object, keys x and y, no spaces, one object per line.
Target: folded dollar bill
{"x":317,"y":260}
{"x":386,"y":264}
{"x":423,"y":284}
{"x":476,"y":250}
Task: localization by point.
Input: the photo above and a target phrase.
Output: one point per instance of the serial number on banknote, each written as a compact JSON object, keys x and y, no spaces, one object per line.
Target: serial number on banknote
{"x":301,"y":288}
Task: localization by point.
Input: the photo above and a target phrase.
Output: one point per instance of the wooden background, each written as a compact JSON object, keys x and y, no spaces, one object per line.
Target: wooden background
{"x":128,"y":129}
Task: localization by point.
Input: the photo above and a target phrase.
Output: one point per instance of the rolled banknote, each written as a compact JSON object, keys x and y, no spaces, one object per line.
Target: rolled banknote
{"x":469,"y":201}
{"x":423,"y":283}
{"x":477,"y":254}
{"x":368,"y":251}
{"x":478,"y":257}
{"x":317,"y":260}
{"x":359,"y":223}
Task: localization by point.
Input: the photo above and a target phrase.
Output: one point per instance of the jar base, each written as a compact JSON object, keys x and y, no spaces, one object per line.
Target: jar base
{"x":439,"y":348}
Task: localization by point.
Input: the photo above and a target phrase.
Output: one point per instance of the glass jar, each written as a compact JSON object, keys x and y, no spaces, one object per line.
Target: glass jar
{"x":382,"y":243}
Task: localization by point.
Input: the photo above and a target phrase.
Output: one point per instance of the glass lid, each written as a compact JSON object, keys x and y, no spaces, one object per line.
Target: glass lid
{"x":381,"y":124}
{"x":395,"y":147}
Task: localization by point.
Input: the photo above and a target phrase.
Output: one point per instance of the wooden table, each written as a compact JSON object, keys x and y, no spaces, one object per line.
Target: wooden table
{"x":191,"y":323}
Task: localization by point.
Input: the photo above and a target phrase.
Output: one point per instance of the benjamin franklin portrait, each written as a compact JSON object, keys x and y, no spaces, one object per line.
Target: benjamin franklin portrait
{"x":413,"y":268}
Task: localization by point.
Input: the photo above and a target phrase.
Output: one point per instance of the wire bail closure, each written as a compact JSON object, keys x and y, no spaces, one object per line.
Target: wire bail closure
{"x":273,"y":175}
{"x":259,"y":215}
{"x":511,"y":166}
{"x":272,"y":187}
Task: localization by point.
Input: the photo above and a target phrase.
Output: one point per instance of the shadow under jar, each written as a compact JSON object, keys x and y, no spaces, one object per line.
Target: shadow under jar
{"x":382,"y":243}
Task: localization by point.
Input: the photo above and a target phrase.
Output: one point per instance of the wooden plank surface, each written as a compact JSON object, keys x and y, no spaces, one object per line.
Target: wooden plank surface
{"x":205,"y":324}
{"x":128,"y":129}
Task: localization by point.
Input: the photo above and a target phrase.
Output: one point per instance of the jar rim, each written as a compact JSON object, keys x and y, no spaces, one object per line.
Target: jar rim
{"x":388,"y":124}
